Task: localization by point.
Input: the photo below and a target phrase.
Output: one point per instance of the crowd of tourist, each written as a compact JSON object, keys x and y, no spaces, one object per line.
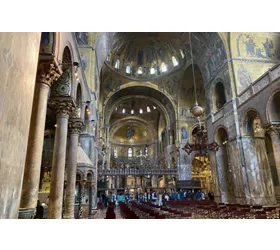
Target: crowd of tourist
{"x":157,"y":197}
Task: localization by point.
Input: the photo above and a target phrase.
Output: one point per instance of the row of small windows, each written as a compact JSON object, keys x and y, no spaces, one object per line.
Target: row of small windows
{"x":130,"y":152}
{"x":152,"y":69}
{"x":140,"y":110}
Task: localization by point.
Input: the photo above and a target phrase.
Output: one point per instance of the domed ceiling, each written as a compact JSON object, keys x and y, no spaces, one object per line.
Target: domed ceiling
{"x":144,"y":56}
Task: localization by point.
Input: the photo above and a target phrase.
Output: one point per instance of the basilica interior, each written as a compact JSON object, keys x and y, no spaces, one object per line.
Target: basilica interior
{"x":90,"y":114}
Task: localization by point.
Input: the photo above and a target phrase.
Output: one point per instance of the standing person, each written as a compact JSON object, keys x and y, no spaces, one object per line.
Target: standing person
{"x":48,"y":200}
{"x":212,"y":196}
{"x":136,"y":196}
{"x":192,"y":195}
{"x":120,"y":198}
{"x":178,"y":196}
{"x":160,"y":199}
{"x":199,"y":195}
{"x":181,"y":194}
{"x":167,"y":197}
{"x":209,"y":196}
{"x":148,"y":196}
{"x":163,"y":196}
{"x":185,"y":195}
{"x":145,"y":196}
{"x":141,"y":197}
{"x":202,"y":196}
{"x":154,"y":197}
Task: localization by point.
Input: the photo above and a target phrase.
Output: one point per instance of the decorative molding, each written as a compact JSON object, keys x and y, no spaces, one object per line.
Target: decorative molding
{"x":63,"y":106}
{"x":47,"y":73}
{"x":75,"y":126}
{"x":273,"y":129}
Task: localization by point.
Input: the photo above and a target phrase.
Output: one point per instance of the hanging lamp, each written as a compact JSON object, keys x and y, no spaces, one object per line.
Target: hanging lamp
{"x":196,"y":110}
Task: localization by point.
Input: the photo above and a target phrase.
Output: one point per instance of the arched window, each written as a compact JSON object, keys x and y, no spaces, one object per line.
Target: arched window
{"x":141,"y":111}
{"x":115,"y":153}
{"x":140,"y":71}
{"x":174,"y":61}
{"x":163,"y":67}
{"x":152,"y":71}
{"x":129,"y":153}
{"x":220,"y":95}
{"x":132,"y":111}
{"x":108,"y":59}
{"x":127,"y":69}
{"x":146,"y":150}
{"x":182,"y":54}
{"x":123,"y":111}
{"x":148,"y":109}
{"x":117,"y":64}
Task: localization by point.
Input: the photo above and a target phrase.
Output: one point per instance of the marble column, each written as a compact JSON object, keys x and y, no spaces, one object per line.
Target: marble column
{"x":167,"y":129}
{"x":185,"y":165}
{"x":46,"y":74}
{"x":75,"y":128}
{"x":18,"y":59}
{"x":93,"y":198}
{"x":258,"y":172}
{"x":63,"y":107}
{"x":118,"y":181}
{"x":213,"y":164}
{"x":274,"y":133}
{"x":221,"y":160}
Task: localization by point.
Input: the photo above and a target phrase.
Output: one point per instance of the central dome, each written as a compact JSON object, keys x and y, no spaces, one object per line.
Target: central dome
{"x":144,"y":57}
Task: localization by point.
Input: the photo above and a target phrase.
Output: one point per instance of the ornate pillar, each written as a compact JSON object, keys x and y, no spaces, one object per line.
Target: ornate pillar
{"x":63,"y":107}
{"x":185,"y":165}
{"x":93,"y":198}
{"x":18,"y":59}
{"x":75,"y":128}
{"x":107,"y":126}
{"x":274,"y":133}
{"x":46,"y":74}
{"x":222,"y":161}
{"x":118,"y":181}
{"x":167,"y":129}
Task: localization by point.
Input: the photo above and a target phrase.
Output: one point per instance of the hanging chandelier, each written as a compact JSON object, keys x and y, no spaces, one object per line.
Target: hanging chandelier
{"x":200,"y":145}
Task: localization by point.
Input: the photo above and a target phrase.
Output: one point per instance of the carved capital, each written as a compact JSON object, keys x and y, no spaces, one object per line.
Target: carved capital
{"x":47,"y":73}
{"x":273,"y":130}
{"x":63,"y":107}
{"x":75,"y":126}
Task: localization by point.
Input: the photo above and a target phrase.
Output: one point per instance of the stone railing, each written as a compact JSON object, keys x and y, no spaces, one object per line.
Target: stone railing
{"x":267,"y":78}
{"x":137,"y":172}
{"x":218,"y":115}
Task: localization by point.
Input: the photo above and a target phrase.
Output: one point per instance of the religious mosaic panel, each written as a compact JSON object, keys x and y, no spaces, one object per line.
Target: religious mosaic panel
{"x":253,"y":54}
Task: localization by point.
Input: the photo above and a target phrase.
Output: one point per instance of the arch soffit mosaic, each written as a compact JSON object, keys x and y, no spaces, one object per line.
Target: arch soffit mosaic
{"x":162,"y":109}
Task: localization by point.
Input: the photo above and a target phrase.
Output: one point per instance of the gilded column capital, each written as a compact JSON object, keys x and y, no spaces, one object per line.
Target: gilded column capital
{"x":75,"y":126}
{"x":63,"y":107}
{"x":76,"y":114}
{"x":47,"y":73}
{"x":273,"y":129}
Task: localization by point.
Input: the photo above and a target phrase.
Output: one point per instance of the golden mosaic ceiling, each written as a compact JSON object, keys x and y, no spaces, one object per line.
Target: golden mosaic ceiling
{"x":145,"y":56}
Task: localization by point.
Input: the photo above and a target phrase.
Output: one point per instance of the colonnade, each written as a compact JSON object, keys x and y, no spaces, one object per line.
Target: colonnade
{"x":66,"y":118}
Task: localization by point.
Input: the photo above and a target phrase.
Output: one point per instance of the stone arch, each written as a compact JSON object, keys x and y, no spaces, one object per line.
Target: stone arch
{"x":162,"y":108}
{"x":137,"y":84}
{"x":273,"y":107}
{"x":247,"y":121}
{"x":79,"y":173}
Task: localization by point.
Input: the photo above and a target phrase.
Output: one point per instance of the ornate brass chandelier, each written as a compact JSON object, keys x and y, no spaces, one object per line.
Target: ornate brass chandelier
{"x":200,"y":145}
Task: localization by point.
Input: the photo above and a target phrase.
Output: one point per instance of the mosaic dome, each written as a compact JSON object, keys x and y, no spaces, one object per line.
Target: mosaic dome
{"x":144,"y":57}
